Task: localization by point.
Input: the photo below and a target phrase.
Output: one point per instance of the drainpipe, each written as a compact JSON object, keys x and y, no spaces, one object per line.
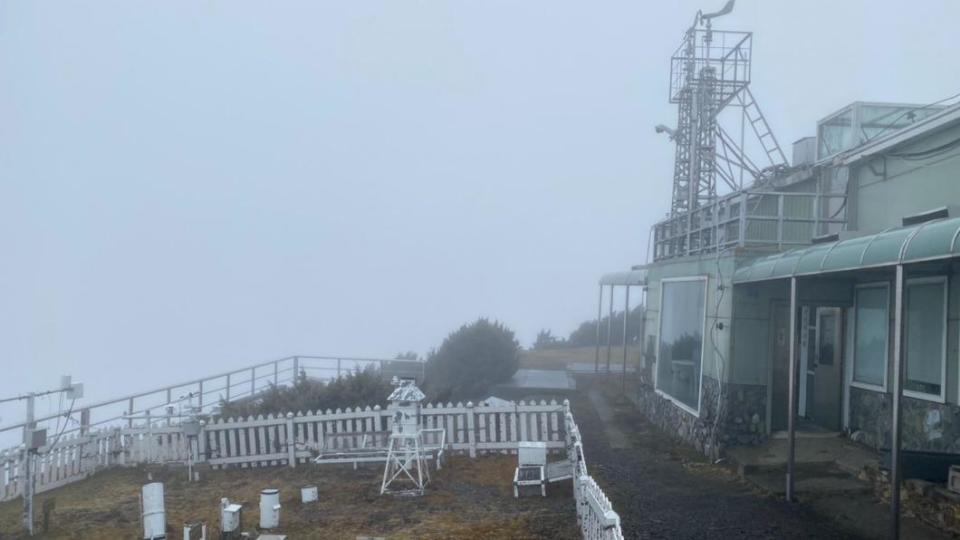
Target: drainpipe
{"x":895,"y":471}
{"x":792,"y":391}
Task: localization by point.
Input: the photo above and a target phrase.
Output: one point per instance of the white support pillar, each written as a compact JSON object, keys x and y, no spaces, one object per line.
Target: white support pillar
{"x":596,"y":361}
{"x":610,"y":330}
{"x":626,"y":318}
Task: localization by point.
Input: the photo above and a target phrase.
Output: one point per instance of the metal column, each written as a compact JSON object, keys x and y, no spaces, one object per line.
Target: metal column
{"x":792,"y":391}
{"x":609,"y":330}
{"x":626,"y":317}
{"x":596,"y":360}
{"x":895,"y":471}
{"x":28,"y":481}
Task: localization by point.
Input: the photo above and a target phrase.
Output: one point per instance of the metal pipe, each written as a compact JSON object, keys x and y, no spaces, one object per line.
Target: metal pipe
{"x":610,"y":330}
{"x":895,"y":457}
{"x":596,"y":361}
{"x":253,"y":381}
{"x":792,"y":391}
{"x":626,"y":317}
{"x":28,"y":468}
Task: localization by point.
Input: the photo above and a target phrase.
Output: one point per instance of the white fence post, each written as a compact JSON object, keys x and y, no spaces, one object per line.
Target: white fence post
{"x":291,"y":441}
{"x":471,"y":429}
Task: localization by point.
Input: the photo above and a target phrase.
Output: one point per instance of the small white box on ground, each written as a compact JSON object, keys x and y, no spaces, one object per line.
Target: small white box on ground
{"x":532,"y":453}
{"x":309,"y":494}
{"x":953,"y":479}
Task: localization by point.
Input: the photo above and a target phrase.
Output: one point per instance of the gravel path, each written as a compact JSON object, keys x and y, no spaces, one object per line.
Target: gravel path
{"x":663,"y":490}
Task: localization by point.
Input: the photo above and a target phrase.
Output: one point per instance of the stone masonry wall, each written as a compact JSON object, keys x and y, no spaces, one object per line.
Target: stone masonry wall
{"x":927,"y":425}
{"x":743,"y":408}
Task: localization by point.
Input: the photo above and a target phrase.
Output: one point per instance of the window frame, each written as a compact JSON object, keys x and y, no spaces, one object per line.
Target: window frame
{"x":885,"y":285}
{"x":703,"y":334}
{"x":943,"y":281}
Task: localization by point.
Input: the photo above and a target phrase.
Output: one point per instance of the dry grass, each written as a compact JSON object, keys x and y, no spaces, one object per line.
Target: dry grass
{"x":467,"y":499}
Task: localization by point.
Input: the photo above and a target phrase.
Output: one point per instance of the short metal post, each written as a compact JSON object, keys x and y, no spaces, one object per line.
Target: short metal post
{"x":626,"y":318}
{"x":338,"y":368}
{"x":792,"y":391}
{"x":895,"y":470}
{"x":596,"y":361}
{"x":84,"y":421}
{"x":28,"y":467}
{"x":228,"y":388}
{"x":296,"y":369}
{"x":276,"y":374}
{"x":253,"y":381}
{"x":610,"y":330}
{"x":130,"y":412}
{"x":200,"y":403}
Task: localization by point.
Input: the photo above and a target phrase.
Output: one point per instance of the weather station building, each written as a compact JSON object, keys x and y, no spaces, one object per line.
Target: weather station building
{"x":841,"y":263}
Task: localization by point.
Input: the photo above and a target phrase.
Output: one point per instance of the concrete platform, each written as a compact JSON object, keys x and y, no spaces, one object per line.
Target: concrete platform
{"x":846,"y":455}
{"x":825,"y":465}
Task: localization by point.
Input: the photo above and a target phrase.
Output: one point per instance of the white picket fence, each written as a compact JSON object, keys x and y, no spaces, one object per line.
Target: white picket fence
{"x":280,"y":440}
{"x":595,"y":514}
{"x":72,"y":458}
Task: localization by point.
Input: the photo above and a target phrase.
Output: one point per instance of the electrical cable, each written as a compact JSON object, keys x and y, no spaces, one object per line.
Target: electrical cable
{"x":931,"y":152}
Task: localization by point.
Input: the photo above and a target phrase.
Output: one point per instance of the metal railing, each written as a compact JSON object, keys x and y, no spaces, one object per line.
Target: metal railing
{"x":779,"y":220}
{"x":207,"y":393}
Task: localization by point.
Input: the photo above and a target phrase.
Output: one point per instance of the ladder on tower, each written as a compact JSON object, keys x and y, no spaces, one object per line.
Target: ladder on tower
{"x":761,"y":128}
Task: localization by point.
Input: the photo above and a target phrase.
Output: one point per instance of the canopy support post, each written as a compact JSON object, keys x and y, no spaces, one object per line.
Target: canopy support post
{"x":596,"y":360}
{"x":792,"y":392}
{"x":895,"y":470}
{"x":626,"y":317}
{"x":610,"y":330}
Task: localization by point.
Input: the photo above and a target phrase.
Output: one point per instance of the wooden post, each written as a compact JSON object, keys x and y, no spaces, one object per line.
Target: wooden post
{"x":471,"y":429}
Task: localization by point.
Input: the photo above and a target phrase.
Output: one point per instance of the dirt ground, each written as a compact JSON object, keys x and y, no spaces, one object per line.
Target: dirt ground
{"x":467,"y":499}
{"x":663,"y":489}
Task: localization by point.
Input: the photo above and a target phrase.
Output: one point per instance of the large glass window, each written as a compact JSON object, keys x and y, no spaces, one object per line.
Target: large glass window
{"x":682,"y":312}
{"x":926,"y":331}
{"x":871,"y":321}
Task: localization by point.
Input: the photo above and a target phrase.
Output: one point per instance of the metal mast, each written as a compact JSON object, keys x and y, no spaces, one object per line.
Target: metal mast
{"x":710,"y":71}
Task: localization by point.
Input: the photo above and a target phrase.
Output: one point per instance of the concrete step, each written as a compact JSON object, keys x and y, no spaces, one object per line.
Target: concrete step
{"x":811,"y":483}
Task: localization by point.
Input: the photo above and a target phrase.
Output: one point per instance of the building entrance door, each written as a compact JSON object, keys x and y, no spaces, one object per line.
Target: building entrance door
{"x":825,"y":368}
{"x":820,"y":369}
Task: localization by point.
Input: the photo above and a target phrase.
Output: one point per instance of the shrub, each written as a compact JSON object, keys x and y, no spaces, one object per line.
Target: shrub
{"x":471,"y":360}
{"x":358,"y":388}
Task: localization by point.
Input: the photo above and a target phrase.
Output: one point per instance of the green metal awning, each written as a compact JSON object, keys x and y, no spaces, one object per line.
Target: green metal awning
{"x":933,"y":240}
{"x":629,"y":278}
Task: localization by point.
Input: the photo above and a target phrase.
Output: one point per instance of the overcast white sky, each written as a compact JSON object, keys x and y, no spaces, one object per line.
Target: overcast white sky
{"x":191,"y":186}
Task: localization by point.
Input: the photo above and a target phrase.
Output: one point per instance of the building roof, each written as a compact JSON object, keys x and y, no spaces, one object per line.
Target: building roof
{"x":630,"y":277}
{"x":933,"y":240}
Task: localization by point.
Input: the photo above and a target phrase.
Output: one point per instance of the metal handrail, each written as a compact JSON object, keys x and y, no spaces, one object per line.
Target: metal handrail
{"x":725,"y":222}
{"x":248,"y":388}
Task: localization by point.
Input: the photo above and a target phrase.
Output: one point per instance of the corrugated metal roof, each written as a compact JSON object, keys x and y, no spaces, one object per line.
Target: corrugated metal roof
{"x":630,"y":277}
{"x":939,"y":239}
